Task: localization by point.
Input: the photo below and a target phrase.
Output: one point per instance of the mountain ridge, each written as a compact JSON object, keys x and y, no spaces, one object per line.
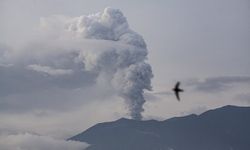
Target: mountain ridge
{"x":222,"y":128}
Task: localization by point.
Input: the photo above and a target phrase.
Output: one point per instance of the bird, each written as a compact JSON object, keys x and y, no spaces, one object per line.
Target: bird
{"x":176,"y":90}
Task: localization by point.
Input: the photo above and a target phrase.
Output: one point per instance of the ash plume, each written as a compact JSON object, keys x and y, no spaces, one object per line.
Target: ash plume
{"x":91,"y":47}
{"x":130,"y":74}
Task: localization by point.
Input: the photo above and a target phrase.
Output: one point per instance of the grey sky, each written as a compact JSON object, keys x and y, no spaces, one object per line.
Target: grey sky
{"x":191,"y":41}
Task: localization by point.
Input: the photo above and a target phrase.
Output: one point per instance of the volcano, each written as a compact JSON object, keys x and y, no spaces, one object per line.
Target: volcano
{"x":225,"y":128}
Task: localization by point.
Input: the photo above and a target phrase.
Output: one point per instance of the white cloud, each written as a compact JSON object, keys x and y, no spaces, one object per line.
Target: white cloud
{"x":28,"y":141}
{"x":49,"y":70}
{"x":218,"y":84}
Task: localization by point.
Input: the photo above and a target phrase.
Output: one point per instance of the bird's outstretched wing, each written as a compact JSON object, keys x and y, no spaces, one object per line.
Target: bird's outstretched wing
{"x":177,"y":95}
{"x":177,"y":85}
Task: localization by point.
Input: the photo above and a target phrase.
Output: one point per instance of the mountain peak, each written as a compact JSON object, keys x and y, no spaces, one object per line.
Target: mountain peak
{"x":124,"y":120}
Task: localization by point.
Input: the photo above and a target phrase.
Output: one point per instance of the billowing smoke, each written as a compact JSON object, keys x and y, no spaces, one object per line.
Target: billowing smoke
{"x":98,"y":47}
{"x":125,"y":66}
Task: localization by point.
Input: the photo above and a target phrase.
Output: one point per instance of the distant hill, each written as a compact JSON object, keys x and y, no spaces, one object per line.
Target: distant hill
{"x":226,"y":128}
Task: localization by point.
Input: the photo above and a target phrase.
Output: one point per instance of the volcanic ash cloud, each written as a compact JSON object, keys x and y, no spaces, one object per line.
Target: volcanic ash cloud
{"x":96,"y":46}
{"x":125,"y":64}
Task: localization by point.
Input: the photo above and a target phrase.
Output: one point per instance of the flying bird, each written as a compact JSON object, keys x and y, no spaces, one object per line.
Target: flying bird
{"x":176,"y":90}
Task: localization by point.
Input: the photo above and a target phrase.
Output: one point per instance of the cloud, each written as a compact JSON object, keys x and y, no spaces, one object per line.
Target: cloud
{"x":244,"y":97}
{"x":218,"y":84}
{"x":29,"y":141}
{"x":64,"y":123}
{"x":50,"y":71}
{"x":96,"y":51}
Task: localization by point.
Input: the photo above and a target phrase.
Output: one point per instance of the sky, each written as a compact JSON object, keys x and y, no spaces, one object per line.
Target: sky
{"x":61,"y":73}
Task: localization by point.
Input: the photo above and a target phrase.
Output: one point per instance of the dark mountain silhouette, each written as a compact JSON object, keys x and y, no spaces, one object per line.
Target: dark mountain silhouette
{"x":226,"y":128}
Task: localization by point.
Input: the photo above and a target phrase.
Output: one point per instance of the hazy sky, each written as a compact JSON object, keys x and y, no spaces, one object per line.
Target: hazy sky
{"x":204,"y":44}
